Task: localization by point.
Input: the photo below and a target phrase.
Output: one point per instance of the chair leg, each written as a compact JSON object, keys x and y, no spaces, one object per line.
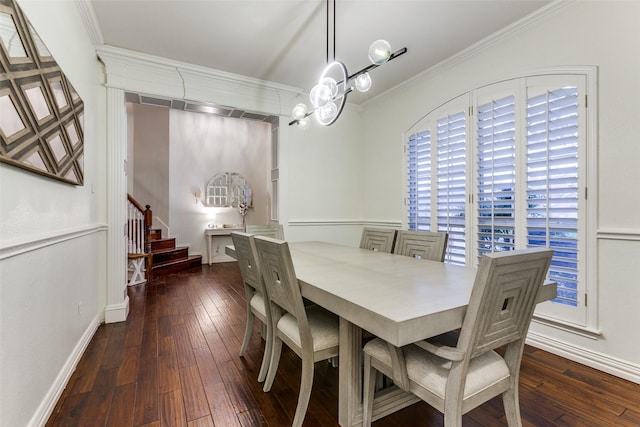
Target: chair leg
{"x":306,"y":382}
{"x":247,"y":331}
{"x":266,"y":358}
{"x":511,"y":403}
{"x":370,"y":375}
{"x":452,"y":418}
{"x":273,"y":363}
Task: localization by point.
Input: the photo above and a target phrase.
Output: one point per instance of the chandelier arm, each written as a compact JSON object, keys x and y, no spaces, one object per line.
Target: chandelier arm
{"x":373,"y":66}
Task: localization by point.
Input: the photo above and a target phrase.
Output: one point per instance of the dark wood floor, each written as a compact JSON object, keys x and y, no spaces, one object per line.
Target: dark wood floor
{"x":175,"y":362}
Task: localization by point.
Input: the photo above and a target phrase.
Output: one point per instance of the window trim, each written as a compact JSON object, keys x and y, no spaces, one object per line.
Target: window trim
{"x":588,"y":325}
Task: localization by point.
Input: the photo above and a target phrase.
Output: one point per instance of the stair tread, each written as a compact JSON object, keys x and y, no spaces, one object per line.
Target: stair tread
{"x":163,"y":239}
{"x":191,"y":259}
{"x":178,"y":261}
{"x":162,"y":251}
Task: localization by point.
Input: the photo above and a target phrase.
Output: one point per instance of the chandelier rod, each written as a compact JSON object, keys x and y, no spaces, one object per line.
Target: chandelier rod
{"x":334,"y":30}
{"x":327,"y":57}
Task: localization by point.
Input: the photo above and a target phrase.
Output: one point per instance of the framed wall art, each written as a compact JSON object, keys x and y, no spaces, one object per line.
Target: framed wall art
{"x":41,"y":114}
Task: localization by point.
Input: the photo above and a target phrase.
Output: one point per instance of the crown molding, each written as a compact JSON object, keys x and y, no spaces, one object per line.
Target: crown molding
{"x":88,"y":16}
{"x":519,"y":26}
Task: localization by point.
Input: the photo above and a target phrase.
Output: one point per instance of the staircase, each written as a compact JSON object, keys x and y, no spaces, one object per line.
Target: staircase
{"x":149,"y":254}
{"x":166,"y":258}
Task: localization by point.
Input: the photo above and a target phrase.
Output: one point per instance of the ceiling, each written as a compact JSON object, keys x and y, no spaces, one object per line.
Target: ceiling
{"x":284,"y":41}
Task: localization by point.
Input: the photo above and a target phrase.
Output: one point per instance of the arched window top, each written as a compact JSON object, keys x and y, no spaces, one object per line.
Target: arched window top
{"x":228,"y":189}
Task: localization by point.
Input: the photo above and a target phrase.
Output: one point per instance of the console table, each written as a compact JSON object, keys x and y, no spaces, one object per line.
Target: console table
{"x":222,"y":237}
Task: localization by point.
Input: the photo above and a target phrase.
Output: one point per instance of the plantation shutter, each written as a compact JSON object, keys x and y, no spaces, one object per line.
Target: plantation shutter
{"x":552,"y":164}
{"x":451,"y":184}
{"x":419,"y":181}
{"x":496,"y":175}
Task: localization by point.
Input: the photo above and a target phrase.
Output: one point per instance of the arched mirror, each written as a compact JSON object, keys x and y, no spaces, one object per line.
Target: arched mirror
{"x":228,"y":189}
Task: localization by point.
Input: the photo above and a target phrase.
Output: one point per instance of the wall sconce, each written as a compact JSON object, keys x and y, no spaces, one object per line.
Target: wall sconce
{"x":197,"y":196}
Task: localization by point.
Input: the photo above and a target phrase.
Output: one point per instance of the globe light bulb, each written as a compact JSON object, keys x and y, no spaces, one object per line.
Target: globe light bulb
{"x":331,"y":84}
{"x":320,"y":95}
{"x":363,"y":82}
{"x":379,"y":52}
{"x":303,"y":123}
{"x":327,"y":112}
{"x":299,"y":111}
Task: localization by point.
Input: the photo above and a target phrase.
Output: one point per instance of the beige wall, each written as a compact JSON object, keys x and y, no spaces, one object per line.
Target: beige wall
{"x":150,"y":158}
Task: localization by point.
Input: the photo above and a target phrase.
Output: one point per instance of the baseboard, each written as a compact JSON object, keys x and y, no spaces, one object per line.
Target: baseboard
{"x":117,"y":312}
{"x":620,"y":368}
{"x":55,"y":391}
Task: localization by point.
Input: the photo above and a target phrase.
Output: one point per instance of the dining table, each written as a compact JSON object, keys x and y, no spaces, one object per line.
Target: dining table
{"x":397,"y":298}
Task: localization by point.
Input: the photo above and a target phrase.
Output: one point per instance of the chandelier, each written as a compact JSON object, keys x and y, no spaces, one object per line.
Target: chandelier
{"x":330,"y":94}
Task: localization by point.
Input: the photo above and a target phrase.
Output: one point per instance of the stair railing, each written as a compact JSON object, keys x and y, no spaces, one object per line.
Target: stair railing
{"x":139,"y":222}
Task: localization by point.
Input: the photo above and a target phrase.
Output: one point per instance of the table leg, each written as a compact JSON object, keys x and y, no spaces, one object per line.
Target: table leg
{"x":350,"y":375}
{"x":209,"y":238}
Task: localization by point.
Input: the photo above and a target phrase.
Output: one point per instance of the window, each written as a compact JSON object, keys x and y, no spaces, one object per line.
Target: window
{"x":504,"y":167}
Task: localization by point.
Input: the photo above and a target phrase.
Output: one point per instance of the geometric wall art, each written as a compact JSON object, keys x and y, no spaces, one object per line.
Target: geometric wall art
{"x":41,"y":114}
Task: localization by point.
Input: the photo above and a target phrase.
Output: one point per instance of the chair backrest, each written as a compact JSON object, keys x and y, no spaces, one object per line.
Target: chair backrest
{"x":503,"y":299}
{"x":378,"y":239}
{"x":282,"y":284}
{"x":248,"y":260}
{"x":274,"y":231}
{"x":421,"y":244}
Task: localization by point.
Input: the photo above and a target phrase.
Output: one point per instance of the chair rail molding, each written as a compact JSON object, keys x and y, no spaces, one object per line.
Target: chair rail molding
{"x":619,"y":234}
{"x":16,"y":247}
{"x":345,"y":222}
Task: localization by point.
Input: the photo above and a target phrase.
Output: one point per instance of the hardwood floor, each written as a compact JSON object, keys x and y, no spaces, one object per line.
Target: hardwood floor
{"x":175,"y":362}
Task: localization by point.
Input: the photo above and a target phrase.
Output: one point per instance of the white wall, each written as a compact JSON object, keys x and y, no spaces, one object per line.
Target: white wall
{"x":605,"y":34}
{"x":201,"y":146}
{"x":51,"y":240}
{"x":322,"y":181}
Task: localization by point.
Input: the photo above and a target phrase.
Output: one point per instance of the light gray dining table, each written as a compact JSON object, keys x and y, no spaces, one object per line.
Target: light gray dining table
{"x":397,"y":298}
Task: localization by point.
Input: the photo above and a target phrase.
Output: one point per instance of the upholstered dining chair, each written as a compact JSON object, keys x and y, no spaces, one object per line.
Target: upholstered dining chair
{"x":428,"y":245}
{"x":378,"y":239}
{"x":456,"y":377}
{"x":310,"y":331}
{"x":274,"y":231}
{"x":256,"y":297}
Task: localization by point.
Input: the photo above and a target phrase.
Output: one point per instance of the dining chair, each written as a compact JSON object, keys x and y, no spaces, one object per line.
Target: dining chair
{"x":310,"y":331}
{"x":378,"y":239}
{"x":455,"y":377}
{"x":270,"y":230}
{"x":256,"y":297}
{"x":428,"y":245}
